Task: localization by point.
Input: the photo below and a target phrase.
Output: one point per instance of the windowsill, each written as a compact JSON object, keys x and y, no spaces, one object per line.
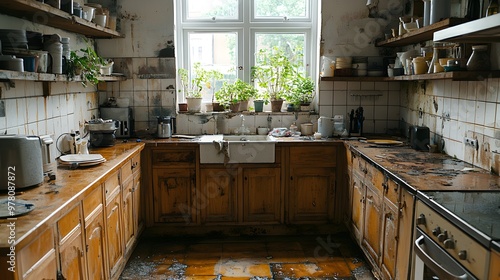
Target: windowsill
{"x":249,"y":113}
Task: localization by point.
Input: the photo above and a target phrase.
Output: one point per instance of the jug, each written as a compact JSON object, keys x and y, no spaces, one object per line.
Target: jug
{"x":325,"y":126}
{"x":164,"y":128}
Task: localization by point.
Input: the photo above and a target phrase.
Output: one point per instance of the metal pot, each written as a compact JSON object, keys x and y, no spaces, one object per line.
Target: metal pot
{"x":164,"y":127}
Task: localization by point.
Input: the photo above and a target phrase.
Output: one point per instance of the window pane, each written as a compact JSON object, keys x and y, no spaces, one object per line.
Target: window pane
{"x":220,"y":9}
{"x":281,"y":8}
{"x":215,"y":51}
{"x":291,"y":43}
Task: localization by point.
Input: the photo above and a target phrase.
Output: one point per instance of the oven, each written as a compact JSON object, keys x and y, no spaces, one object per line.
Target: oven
{"x":453,"y":235}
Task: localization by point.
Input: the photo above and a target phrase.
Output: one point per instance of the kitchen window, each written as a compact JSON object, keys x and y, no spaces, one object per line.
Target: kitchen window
{"x":224,"y":35}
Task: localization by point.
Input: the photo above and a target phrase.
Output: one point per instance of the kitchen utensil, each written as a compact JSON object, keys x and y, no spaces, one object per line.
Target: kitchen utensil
{"x":21,"y":161}
{"x":106,"y":69}
{"x":317,"y":135}
{"x":90,"y":12}
{"x":102,"y":132}
{"x":384,"y":142}
{"x":100,"y":20}
{"x":48,"y":165}
{"x":327,"y":66}
{"x":325,"y":126}
{"x":10,"y":62}
{"x":440,"y":9}
{"x":479,"y":59}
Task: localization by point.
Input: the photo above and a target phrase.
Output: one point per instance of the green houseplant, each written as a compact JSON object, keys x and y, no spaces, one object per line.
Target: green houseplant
{"x":235,"y":95}
{"x":274,"y":73}
{"x":193,"y":86}
{"x":86,"y":64}
{"x":301,"y":92}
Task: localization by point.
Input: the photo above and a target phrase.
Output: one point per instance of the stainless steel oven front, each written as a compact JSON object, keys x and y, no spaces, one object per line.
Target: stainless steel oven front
{"x":443,"y":251}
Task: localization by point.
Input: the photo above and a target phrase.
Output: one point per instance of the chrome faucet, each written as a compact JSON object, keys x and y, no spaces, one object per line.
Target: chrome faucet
{"x":242,"y":130}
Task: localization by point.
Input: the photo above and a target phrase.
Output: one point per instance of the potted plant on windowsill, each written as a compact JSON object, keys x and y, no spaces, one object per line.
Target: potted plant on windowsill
{"x":274,"y":73}
{"x":301,"y":92}
{"x":245,"y":92}
{"x":259,"y":101}
{"x":193,"y":87}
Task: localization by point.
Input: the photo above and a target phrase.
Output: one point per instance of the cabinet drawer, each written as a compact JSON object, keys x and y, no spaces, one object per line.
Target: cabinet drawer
{"x":39,"y":249}
{"x":126,"y":171}
{"x":112,"y":184}
{"x":374,"y":177}
{"x":68,"y":223}
{"x":92,"y":202}
{"x":392,"y":191}
{"x":136,"y":163}
{"x":174,"y":157}
{"x":325,"y":156}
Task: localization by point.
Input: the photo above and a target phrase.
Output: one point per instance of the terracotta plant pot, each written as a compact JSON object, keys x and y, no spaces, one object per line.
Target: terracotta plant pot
{"x":305,"y":107}
{"x":217,"y":107}
{"x":244,"y":105}
{"x":183,"y":107}
{"x":234,"y":107}
{"x":276,"y":105}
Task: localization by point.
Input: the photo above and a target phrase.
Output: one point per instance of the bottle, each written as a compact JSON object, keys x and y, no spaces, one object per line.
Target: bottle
{"x":492,"y":8}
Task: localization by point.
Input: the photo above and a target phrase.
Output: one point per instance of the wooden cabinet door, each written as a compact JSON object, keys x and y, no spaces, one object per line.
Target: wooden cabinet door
{"x":95,"y":242}
{"x":372,"y":223}
{"x":114,"y":234}
{"x":406,"y":208}
{"x":71,"y":252}
{"x":218,"y":195}
{"x":495,"y":265}
{"x":173,"y":195}
{"x":46,"y":269}
{"x":357,"y":190}
{"x":389,"y":241}
{"x":137,"y":202}
{"x":262,"y":200}
{"x":129,"y":216}
{"x":311,"y":194}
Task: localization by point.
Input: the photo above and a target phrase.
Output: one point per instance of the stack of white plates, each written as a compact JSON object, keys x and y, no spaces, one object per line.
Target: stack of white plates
{"x":81,"y":160}
{"x":343,"y":62}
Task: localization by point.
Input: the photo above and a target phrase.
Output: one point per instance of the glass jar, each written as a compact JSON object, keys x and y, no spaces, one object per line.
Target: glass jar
{"x":479,"y":59}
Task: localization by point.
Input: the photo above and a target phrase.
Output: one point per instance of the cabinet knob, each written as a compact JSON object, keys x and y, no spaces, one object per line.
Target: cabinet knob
{"x":462,"y":255}
{"x":436,"y":231}
{"x":421,"y":219}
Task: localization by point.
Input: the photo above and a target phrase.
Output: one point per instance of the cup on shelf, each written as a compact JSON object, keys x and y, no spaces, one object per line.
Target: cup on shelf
{"x":100,"y":20}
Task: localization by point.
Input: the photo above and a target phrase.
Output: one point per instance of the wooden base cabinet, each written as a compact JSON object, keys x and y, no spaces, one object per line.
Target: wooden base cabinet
{"x":38,"y":259}
{"x":311,"y":184}
{"x":173,"y":195}
{"x":381,"y":219}
{"x":95,"y":237}
{"x":217,"y":198}
{"x":71,"y":246}
{"x":114,"y":234}
{"x":262,"y":199}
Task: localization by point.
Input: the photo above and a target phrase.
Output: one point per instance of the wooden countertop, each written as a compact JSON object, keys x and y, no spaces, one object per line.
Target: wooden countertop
{"x":424,"y":171}
{"x":53,"y":198}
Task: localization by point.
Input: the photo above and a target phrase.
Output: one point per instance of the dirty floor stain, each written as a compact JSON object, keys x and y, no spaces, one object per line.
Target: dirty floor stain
{"x":256,"y":258}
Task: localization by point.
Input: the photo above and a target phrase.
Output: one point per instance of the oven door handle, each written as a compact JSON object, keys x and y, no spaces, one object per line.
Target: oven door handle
{"x":435,"y":266}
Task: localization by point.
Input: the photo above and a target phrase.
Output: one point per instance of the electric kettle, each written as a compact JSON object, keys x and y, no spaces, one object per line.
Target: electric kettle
{"x":325,"y":126}
{"x":164,"y":128}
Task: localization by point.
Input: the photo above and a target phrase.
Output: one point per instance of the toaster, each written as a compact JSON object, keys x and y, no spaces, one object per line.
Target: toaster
{"x":419,"y":137}
{"x":21,"y":163}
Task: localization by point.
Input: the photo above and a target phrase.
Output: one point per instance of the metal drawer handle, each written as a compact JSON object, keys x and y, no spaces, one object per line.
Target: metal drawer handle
{"x":435,"y":266}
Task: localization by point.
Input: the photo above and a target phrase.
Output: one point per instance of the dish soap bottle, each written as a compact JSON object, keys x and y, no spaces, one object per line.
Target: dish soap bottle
{"x":492,"y":8}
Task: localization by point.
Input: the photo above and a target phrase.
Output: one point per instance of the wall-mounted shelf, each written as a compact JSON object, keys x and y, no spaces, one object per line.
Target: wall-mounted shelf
{"x":6,"y":75}
{"x":420,"y":35}
{"x":41,"y":13}
{"x":455,"y":76}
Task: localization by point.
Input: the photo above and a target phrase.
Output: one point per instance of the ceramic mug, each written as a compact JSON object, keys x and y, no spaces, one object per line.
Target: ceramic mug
{"x":100,"y":20}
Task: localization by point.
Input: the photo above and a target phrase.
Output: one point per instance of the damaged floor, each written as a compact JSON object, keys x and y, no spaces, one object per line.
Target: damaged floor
{"x":271,"y":257}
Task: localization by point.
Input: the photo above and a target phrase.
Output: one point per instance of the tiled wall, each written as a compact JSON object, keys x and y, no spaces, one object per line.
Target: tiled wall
{"x":150,"y":88}
{"x":380,"y":102}
{"x":453,"y":110}
{"x":28,"y":112}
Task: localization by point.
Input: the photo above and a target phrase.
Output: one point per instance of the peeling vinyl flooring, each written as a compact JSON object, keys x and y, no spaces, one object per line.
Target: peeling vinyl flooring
{"x":270,"y":257}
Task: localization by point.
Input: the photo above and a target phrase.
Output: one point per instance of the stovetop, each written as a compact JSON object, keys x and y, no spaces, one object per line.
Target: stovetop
{"x":479,"y":211}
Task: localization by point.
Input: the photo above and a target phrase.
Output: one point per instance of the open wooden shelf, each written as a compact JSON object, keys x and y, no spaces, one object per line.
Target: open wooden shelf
{"x":420,"y":35}
{"x":455,"y":76}
{"x":6,"y":75}
{"x":41,"y":13}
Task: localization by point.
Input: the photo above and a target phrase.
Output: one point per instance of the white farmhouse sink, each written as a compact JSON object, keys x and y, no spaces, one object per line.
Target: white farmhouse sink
{"x":237,"y":149}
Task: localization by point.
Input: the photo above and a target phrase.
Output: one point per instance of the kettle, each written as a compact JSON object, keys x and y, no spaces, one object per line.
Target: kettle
{"x":325,"y":126}
{"x":164,"y":128}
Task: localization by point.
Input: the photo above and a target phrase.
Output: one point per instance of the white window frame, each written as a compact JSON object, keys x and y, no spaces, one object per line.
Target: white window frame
{"x":246,"y":27}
